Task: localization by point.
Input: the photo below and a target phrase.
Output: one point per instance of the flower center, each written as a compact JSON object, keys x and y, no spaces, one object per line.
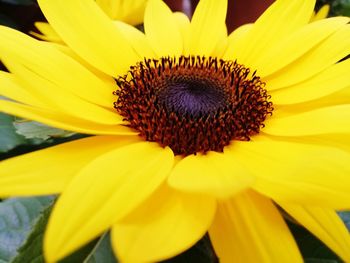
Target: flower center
{"x":192,"y":104}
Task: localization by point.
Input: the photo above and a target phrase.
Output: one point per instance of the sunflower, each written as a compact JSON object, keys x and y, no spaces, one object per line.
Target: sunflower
{"x":130,"y":12}
{"x":195,"y":130}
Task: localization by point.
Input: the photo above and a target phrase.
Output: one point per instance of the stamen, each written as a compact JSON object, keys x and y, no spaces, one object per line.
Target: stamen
{"x":192,"y":104}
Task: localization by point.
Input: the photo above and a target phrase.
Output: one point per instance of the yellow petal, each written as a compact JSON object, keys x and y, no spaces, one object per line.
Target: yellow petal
{"x":51,"y":64}
{"x":341,"y":141}
{"x":322,"y":13}
{"x":110,"y":81}
{"x":10,"y":89}
{"x":137,"y":39}
{"x":222,"y":44}
{"x":208,"y":17}
{"x":62,"y":121}
{"x":50,"y":170}
{"x":297,"y":44}
{"x":216,"y":174}
{"x":110,"y":7}
{"x":183,"y":22}
{"x":96,"y":40}
{"x":58,"y":98}
{"x":168,"y":223}
{"x":104,"y":191}
{"x":322,"y":56}
{"x":249,"y":228}
{"x":47,"y":32}
{"x":325,"y":224}
{"x":333,"y":79}
{"x":282,"y":18}
{"x":162,"y":30}
{"x":308,"y":174}
{"x":234,"y":39}
{"x":335,"y":99}
{"x":335,"y":119}
{"x":130,"y":12}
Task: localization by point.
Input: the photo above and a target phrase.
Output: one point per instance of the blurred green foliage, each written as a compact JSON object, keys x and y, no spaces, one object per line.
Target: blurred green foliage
{"x":9,"y":139}
{"x":338,"y":7}
{"x":17,"y":218}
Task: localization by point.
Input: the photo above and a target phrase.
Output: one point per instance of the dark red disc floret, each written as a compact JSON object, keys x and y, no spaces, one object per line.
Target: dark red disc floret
{"x":192,"y":104}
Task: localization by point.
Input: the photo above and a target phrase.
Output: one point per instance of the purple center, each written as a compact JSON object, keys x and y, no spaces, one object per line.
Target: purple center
{"x":197,"y":98}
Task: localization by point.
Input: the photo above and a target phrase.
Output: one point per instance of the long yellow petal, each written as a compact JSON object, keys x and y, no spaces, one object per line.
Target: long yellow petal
{"x":215,"y":174}
{"x":183,"y":22}
{"x":249,"y":228}
{"x":325,"y":54}
{"x":53,"y":65}
{"x":302,"y":173}
{"x":325,"y":224}
{"x":62,"y":121}
{"x":97,"y":40}
{"x":297,"y":44}
{"x":334,"y":119}
{"x":341,"y":97}
{"x":137,"y":39}
{"x":10,"y":89}
{"x":47,"y":32}
{"x":222,"y":44}
{"x":58,"y":98}
{"x":130,"y":12}
{"x":234,"y":39}
{"x":110,"y":81}
{"x":162,"y":30}
{"x":168,"y":223}
{"x":341,"y":141}
{"x":333,"y":79}
{"x":322,"y":13}
{"x":104,"y":191}
{"x":205,"y":29}
{"x":50,"y":170}
{"x":281,"y":19}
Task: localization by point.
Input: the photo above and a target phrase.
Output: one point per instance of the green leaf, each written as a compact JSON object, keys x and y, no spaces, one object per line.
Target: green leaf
{"x":102,"y":252}
{"x":17,"y":217}
{"x":9,"y":139}
{"x":36,"y":130}
{"x":31,"y":250}
{"x":97,"y":251}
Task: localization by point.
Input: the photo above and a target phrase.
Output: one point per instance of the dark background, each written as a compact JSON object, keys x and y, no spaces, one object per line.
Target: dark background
{"x":21,"y":14}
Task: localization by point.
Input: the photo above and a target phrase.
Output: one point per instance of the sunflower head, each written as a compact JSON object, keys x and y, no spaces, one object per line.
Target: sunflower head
{"x":195,"y":131}
{"x":192,"y":104}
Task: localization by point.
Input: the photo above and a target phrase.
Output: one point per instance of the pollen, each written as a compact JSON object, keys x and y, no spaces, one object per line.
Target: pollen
{"x":192,"y":104}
